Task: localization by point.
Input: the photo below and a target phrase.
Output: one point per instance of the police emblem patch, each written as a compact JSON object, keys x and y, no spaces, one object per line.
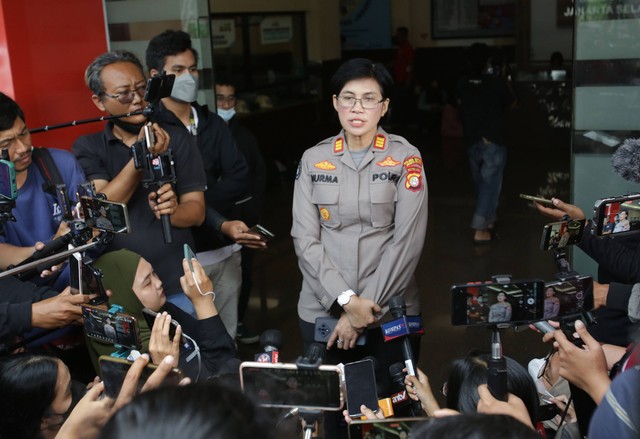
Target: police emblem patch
{"x":324,"y":213}
{"x":388,"y":162}
{"x":325,"y":165}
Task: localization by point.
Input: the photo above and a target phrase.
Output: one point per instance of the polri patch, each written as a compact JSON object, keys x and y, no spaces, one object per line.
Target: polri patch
{"x":413,"y":165}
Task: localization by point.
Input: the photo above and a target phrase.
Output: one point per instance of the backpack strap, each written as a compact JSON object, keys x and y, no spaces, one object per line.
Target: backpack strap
{"x":48,"y":169}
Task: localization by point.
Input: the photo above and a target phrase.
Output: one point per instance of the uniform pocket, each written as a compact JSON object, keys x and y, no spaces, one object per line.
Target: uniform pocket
{"x":383,"y":204}
{"x":325,"y":197}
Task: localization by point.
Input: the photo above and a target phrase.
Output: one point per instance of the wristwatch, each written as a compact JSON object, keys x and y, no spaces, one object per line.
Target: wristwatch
{"x":345,"y":297}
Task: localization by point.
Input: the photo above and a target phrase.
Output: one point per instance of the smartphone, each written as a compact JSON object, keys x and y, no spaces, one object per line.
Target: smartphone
{"x":383,"y":428}
{"x":617,"y":215}
{"x":105,"y":215}
{"x":547,"y":411}
{"x":563,"y":298}
{"x":264,"y":234}
{"x":538,"y":199}
{"x":159,"y":87}
{"x":286,"y":385}
{"x":487,"y":303}
{"x":117,"y":329}
{"x":324,"y":327}
{"x":189,"y":255}
{"x":562,"y":234}
{"x":114,"y":370}
{"x":360,"y":385}
{"x":84,"y":278}
{"x":150,"y":317}
{"x":8,"y":187}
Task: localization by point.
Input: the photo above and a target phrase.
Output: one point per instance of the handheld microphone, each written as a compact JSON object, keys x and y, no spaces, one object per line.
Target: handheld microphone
{"x":626,"y":160}
{"x":50,"y":248}
{"x":271,"y":342}
{"x":398,"y":310}
{"x":497,"y":369}
{"x":401,"y":399}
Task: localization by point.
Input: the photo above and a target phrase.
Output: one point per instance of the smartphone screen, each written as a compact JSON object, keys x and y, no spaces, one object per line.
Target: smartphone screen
{"x":117,"y":329}
{"x":562,"y":234}
{"x":564,"y":298}
{"x":114,"y":370}
{"x":360,"y":385}
{"x":285,"y":385}
{"x":8,"y":188}
{"x":481,"y":304}
{"x":105,"y":215}
{"x":617,"y":216}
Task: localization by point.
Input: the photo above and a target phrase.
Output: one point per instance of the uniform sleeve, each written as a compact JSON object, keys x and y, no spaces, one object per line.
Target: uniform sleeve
{"x":306,"y":240}
{"x":400,"y":258}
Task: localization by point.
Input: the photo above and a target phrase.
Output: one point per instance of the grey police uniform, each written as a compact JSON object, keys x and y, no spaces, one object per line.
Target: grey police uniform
{"x":359,"y":229}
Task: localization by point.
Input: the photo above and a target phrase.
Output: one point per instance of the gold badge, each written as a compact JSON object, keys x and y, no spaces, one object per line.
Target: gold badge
{"x":324,"y":213}
{"x":380,"y":142}
{"x":388,"y":162}
{"x":338,"y":145}
{"x":325,"y":165}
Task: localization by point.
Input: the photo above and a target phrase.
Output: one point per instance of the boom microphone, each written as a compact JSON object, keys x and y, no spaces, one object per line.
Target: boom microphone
{"x":271,"y":342}
{"x":626,"y":160}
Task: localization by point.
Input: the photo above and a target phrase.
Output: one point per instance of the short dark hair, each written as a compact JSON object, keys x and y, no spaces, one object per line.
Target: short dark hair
{"x":92,"y":76}
{"x":474,"y":426}
{"x":197,"y":411}
{"x":28,"y":384}
{"x":467,"y":373}
{"x":168,"y":43}
{"x":360,"y":68}
{"x":223,"y":79}
{"x":9,"y":112}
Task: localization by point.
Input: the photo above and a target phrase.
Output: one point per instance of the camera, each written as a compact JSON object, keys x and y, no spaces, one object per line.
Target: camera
{"x":112,"y":328}
{"x":616,"y":215}
{"x":104,"y":215}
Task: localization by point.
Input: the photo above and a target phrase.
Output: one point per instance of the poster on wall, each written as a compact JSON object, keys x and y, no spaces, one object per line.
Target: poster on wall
{"x":276,"y":29}
{"x":224,"y":33}
{"x":473,"y":18}
{"x":365,"y":24}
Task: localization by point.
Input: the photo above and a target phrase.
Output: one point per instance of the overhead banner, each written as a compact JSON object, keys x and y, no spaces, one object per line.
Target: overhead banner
{"x":224,"y":33}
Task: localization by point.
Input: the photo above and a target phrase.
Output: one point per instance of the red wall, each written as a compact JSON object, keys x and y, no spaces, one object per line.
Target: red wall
{"x":45,"y":46}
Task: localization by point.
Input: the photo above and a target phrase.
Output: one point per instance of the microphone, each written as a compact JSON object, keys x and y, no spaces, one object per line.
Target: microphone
{"x":497,"y":369}
{"x":271,"y":342}
{"x":626,"y":160}
{"x":401,"y":399}
{"x":398,"y":311}
{"x":50,"y":248}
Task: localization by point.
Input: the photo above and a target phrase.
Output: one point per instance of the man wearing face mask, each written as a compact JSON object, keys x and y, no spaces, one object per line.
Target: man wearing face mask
{"x":225,"y":168}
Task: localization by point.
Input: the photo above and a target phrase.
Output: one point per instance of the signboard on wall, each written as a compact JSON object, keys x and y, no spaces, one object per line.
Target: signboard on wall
{"x":276,"y":29}
{"x":365,"y":24}
{"x":224,"y":33}
{"x":473,"y":18}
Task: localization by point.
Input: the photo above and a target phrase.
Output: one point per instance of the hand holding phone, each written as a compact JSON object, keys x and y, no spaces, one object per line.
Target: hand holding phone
{"x":166,"y":336}
{"x":540,"y":200}
{"x":195,"y":281}
{"x":263,"y":233}
{"x":360,"y":385}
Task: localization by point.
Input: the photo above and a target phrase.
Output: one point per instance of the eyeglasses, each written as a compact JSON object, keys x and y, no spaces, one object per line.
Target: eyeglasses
{"x":368,"y":102}
{"x":126,"y":97}
{"x":223,"y":98}
{"x":542,"y":373}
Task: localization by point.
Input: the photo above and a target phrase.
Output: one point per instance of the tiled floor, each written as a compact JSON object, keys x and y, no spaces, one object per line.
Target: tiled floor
{"x":449,"y":256}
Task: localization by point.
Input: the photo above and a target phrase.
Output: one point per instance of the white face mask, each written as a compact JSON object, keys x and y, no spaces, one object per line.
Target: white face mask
{"x":185,"y":88}
{"x":226,"y":115}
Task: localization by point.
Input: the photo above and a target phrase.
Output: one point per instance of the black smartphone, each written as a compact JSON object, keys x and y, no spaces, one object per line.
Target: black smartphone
{"x":114,"y":370}
{"x":547,"y":411}
{"x":360,"y":385}
{"x":286,"y":385}
{"x":84,"y":278}
{"x":158,"y":87}
{"x":540,"y":200}
{"x":150,"y":317}
{"x":562,"y":234}
{"x":617,"y":215}
{"x":324,"y":327}
{"x":8,"y":187}
{"x":263,"y":233}
{"x":117,"y":329}
{"x":105,"y":215}
{"x":487,"y":303}
{"x":563,"y":298}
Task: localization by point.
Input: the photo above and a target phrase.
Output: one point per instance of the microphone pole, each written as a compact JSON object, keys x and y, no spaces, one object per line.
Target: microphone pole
{"x":398,"y":310}
{"x":85,"y":121}
{"x":397,"y":376}
{"x":497,"y":368}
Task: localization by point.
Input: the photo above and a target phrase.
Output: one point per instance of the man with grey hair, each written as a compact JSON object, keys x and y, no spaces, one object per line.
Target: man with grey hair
{"x":117,"y":84}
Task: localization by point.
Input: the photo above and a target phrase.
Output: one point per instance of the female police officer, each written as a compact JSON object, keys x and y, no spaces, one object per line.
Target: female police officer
{"x":359,"y":220}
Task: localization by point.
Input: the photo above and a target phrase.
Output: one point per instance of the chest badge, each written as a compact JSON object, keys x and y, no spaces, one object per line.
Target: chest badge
{"x":325,"y":165}
{"x":388,"y":162}
{"x":324,"y":213}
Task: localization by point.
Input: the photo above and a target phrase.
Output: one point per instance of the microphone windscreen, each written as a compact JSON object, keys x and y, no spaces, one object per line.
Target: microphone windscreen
{"x":397,"y":373}
{"x":271,"y":338}
{"x":626,"y":160}
{"x":316,"y":351}
{"x":397,"y":307}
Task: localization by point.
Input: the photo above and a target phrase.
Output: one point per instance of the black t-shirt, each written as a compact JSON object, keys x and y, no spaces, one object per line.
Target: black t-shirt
{"x":103,"y":156}
{"x":483,"y":101}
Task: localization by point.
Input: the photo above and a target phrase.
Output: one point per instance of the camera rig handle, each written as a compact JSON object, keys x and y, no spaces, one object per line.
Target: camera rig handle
{"x":497,"y":367}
